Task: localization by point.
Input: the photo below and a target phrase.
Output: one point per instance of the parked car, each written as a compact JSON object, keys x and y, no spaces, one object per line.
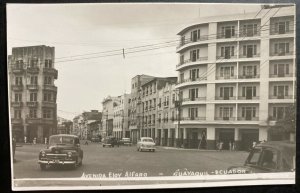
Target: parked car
{"x":62,"y":149}
{"x":125,"y":141}
{"x":273,"y":156}
{"x":95,"y":139}
{"x":110,"y":141}
{"x":146,"y":143}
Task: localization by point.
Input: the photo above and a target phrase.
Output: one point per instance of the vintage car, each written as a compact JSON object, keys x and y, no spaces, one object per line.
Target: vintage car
{"x":273,"y":156}
{"x":110,"y":141}
{"x":146,"y":143}
{"x":125,"y":141}
{"x":62,"y":149}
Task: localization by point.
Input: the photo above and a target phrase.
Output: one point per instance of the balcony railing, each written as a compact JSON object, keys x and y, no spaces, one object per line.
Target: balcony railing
{"x":32,"y":104}
{"x":223,"y":36}
{"x":281,"y":97}
{"x":17,"y":70}
{"x":248,"y":118}
{"x":250,"y":56}
{"x":32,"y":86}
{"x":281,"y":53}
{"x":16,"y":104}
{"x":225,"y":98}
{"x":248,"y":98}
{"x":273,"y":32}
{"x":39,"y":121}
{"x":244,"y":34}
{"x":226,"y":77}
{"x":17,"y":87}
{"x":48,"y":104}
{"x":248,"y":76}
{"x":194,"y":99}
{"x":226,"y":118}
{"x":16,"y":120}
{"x":33,"y":69}
{"x":204,"y":58}
{"x":193,"y":79}
{"x":51,"y":71}
{"x":202,"y":38}
{"x":50,"y":87}
{"x":226,"y":57}
{"x":281,"y":75}
{"x":193,"y":118}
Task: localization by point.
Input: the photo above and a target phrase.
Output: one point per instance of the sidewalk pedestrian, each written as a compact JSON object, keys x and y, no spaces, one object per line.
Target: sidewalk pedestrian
{"x":86,"y":142}
{"x":233,"y":146}
{"x":34,"y":141}
{"x":221,"y":145}
{"x":230,"y":146}
{"x":25,"y":139}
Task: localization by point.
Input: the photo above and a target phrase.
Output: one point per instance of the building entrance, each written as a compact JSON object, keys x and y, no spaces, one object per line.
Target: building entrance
{"x":226,"y":136}
{"x":248,"y":136}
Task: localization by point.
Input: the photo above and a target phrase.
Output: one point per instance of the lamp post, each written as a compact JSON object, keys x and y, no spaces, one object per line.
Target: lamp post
{"x":178,"y":103}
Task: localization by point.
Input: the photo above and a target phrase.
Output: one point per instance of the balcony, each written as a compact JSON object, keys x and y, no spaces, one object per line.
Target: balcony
{"x":39,"y":121}
{"x":16,"y":104}
{"x":281,"y":97}
{"x":250,"y":56}
{"x":248,"y":76}
{"x":32,"y":86}
{"x":248,"y":97}
{"x":51,"y":71}
{"x":202,"y":38}
{"x":194,"y":99}
{"x":225,"y":98}
{"x":32,"y":104}
{"x":226,"y":77}
{"x":33,"y":70}
{"x":17,"y":70}
{"x":48,"y":104}
{"x":17,"y":87}
{"x":226,"y":57}
{"x":223,"y":36}
{"x":50,"y":87}
{"x":17,"y":121}
{"x":280,"y":75}
{"x":192,"y":80}
{"x":281,"y":32}
{"x":247,"y":118}
{"x":225,"y":118}
{"x":200,"y":59}
{"x":281,"y":53}
{"x":193,"y":118}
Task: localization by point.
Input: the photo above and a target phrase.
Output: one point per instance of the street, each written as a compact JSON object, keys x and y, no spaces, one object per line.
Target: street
{"x":127,"y":162}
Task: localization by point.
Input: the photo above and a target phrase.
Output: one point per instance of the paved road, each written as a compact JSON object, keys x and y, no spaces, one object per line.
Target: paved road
{"x":116,"y":161}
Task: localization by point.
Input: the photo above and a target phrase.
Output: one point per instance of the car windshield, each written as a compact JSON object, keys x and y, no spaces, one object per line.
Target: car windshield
{"x":61,"y":140}
{"x":147,"y":140}
{"x":254,"y":156}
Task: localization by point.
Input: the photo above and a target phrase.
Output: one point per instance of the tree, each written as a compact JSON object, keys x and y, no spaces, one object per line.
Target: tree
{"x":286,"y":125}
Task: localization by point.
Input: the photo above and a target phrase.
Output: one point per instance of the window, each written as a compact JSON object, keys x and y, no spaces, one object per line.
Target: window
{"x":34,"y":80}
{"x":281,"y":48}
{"x":194,"y":73}
{"x":154,"y":103}
{"x":280,"y":91}
{"x":182,"y":59}
{"x":33,"y":97}
{"x":181,"y":77}
{"x":227,"y":51}
{"x":249,"y":50}
{"x":249,"y":71}
{"x":228,"y":31}
{"x":249,"y":92}
{"x":18,"y":80}
{"x":182,"y":40}
{"x":173,"y":98}
{"x":33,"y":63}
{"x":19,"y":64}
{"x":226,"y":112}
{"x":17,"y":114}
{"x":193,"y":94}
{"x":248,"y":112}
{"x":47,"y":113}
{"x":18,"y":97}
{"x":48,"y":63}
{"x":226,"y":92}
{"x":269,"y":159}
{"x":48,"y":80}
{"x":250,"y":30}
{"x":194,"y":55}
{"x":227,"y":72}
{"x":48,"y":97}
{"x":193,"y":113}
{"x":32,"y":113}
{"x":280,"y":112}
{"x":281,"y":69}
{"x":195,"y":35}
{"x":282,"y":27}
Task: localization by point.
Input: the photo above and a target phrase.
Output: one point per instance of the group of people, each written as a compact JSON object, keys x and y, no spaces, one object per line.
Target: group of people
{"x":231,"y":145}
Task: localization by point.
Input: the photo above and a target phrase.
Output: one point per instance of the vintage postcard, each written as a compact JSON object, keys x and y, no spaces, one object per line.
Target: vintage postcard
{"x":152,"y":95}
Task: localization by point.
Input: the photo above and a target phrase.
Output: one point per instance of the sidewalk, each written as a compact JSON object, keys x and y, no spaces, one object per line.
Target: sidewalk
{"x":204,"y":150}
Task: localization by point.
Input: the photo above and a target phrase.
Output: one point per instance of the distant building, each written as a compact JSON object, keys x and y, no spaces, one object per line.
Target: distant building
{"x":32,"y":92}
{"x":120,"y":117}
{"x":64,"y":126}
{"x":107,"y":115}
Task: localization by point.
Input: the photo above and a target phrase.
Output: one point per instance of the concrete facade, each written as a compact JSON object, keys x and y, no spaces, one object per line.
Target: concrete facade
{"x":120,"y":120}
{"x":32,"y":93}
{"x":236,"y":73}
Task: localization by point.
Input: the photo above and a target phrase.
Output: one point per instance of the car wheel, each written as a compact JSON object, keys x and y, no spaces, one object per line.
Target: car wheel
{"x":43,"y":166}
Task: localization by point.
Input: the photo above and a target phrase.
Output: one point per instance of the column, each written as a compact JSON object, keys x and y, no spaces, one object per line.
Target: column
{"x":169,"y":137}
{"x":211,"y":138}
{"x":40,"y":134}
{"x":185,"y":140}
{"x":25,"y":133}
{"x":263,"y":134}
{"x":237,"y":139}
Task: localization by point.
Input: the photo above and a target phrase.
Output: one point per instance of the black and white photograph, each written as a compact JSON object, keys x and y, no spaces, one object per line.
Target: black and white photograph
{"x":151,"y":95}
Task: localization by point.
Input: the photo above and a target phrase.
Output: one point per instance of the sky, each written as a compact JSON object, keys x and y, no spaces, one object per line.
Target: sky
{"x":86,"y":29}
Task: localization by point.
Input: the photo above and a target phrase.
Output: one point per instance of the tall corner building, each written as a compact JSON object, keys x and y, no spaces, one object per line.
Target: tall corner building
{"x":236,"y":77}
{"x":32,"y":92}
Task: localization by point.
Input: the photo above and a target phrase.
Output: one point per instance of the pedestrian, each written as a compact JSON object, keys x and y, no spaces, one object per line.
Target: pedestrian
{"x":221,"y":145}
{"x":25,"y":139}
{"x":34,"y":140}
{"x":46,"y":141}
{"x":86,"y":142}
{"x":233,"y":146}
{"x":230,"y":146}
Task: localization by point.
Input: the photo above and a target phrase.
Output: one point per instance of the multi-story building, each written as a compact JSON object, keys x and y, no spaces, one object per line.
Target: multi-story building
{"x":64,"y":126}
{"x":236,"y":75}
{"x":135,"y":108}
{"x":120,"y":120}
{"x":158,"y":109}
{"x":107,"y":115}
{"x":76,"y":125}
{"x":32,"y":92}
